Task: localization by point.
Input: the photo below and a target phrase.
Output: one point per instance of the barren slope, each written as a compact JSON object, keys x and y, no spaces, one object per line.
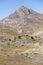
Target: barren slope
{"x":24,"y":21}
{"x":21,"y":38}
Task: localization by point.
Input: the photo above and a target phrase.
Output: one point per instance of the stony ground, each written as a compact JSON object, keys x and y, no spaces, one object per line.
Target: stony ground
{"x":14,"y":52}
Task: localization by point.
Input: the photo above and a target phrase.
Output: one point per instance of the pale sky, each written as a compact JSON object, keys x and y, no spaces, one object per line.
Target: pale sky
{"x":9,"y":6}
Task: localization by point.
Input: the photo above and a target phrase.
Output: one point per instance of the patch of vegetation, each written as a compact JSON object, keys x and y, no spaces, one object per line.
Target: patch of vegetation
{"x":32,"y":38}
{"x":19,"y":37}
{"x":9,"y":39}
{"x":26,"y":35}
{"x":35,"y":38}
{"x":22,"y":45}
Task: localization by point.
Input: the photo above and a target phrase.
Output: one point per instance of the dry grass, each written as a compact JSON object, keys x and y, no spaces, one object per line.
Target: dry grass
{"x":19,"y":49}
{"x":16,"y":59}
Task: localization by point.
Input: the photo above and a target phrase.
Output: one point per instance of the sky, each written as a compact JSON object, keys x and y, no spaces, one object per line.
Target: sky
{"x":9,"y":6}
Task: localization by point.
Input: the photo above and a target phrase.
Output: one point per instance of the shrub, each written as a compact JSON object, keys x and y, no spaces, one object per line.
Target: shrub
{"x":22,"y":45}
{"x":26,"y":35}
{"x":33,"y":38}
{"x":9,"y":39}
{"x":19,"y":37}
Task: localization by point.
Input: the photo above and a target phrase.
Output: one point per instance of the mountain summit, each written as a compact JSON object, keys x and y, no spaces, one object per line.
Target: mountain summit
{"x":24,"y":21}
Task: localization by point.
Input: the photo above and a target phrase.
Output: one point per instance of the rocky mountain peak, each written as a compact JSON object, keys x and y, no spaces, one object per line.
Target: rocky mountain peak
{"x":24,"y":10}
{"x":21,"y":12}
{"x":24,"y":20}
